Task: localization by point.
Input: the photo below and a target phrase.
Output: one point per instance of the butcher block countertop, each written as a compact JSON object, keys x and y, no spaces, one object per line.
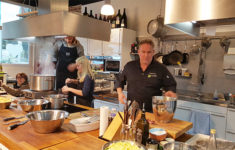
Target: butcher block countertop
{"x":25,"y":138}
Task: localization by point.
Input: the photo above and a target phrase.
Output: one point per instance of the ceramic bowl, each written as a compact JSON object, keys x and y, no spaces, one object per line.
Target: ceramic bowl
{"x":157,"y":134}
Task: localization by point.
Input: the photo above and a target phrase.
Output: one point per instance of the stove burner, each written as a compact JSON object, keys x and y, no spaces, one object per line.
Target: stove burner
{"x":71,"y":108}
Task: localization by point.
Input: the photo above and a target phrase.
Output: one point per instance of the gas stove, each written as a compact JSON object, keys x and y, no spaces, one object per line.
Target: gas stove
{"x":71,"y":108}
{"x":35,"y":94}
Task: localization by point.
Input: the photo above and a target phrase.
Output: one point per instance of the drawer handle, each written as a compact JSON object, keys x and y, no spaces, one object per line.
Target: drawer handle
{"x":232,"y":110}
{"x":184,"y":108}
{"x":230,"y":132}
{"x":218,"y":115}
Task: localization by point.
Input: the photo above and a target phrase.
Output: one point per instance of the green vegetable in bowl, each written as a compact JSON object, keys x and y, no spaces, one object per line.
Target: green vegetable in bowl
{"x":123,"y":146}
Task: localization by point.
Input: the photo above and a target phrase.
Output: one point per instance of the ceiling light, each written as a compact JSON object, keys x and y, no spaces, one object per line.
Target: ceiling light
{"x":107,"y":8}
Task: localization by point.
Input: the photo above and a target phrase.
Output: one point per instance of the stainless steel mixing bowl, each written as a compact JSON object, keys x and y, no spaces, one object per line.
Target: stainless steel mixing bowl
{"x":33,"y":104}
{"x":163,"y":108}
{"x":47,"y":121}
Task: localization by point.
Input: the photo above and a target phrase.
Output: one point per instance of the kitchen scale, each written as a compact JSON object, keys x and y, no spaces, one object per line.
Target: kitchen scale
{"x":36,"y":94}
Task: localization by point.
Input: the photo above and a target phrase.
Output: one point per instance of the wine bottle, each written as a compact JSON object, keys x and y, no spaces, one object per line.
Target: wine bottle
{"x":142,"y":128}
{"x":100,"y":18}
{"x":104,"y":18}
{"x":96,"y":16}
{"x":124,"y":20}
{"x":85,"y":12}
{"x":109,"y":19}
{"x":91,"y":15}
{"x":113,"y":22}
{"x":118,"y":18}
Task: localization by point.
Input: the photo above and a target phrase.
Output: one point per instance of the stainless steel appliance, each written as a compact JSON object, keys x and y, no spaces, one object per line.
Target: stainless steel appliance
{"x":42,"y":82}
{"x":36,"y":94}
{"x":112,"y":65}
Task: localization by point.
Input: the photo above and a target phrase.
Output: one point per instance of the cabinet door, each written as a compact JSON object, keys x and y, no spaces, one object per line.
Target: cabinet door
{"x":231,"y":120}
{"x":84,"y":43}
{"x":112,"y":48}
{"x":230,"y":136}
{"x":218,"y":122}
{"x":97,"y":103}
{"x":182,"y":113}
{"x":94,"y":47}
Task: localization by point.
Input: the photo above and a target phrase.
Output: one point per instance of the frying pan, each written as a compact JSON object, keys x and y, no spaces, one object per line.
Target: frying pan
{"x":156,"y":27}
{"x":173,"y":57}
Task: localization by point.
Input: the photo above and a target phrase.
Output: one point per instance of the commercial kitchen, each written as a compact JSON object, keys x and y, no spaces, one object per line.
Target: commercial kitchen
{"x":194,"y":40}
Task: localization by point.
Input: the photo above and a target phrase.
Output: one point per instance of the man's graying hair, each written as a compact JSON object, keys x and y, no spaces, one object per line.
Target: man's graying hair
{"x":147,"y":41}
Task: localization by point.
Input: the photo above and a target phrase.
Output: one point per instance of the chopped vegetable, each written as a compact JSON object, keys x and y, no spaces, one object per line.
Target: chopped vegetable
{"x":123,"y":146}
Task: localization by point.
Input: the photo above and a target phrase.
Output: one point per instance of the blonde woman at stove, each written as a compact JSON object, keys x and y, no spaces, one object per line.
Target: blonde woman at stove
{"x":82,"y":87}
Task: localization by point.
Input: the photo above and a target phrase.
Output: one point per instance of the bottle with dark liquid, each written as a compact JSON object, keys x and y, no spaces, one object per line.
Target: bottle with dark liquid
{"x":100,"y":18}
{"x":85,"y":12}
{"x":118,"y":19}
{"x":96,"y":16}
{"x":113,"y":22}
{"x":142,"y":128}
{"x":91,"y":15}
{"x":104,"y":18}
{"x":124,"y":20}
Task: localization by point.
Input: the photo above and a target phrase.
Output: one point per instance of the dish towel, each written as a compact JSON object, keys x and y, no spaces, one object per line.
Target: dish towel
{"x":201,"y":122}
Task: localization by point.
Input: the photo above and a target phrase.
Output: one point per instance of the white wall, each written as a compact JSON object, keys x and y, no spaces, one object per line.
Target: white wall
{"x":140,"y":12}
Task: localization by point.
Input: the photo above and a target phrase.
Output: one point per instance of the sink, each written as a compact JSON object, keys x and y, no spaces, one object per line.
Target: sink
{"x":200,"y":141}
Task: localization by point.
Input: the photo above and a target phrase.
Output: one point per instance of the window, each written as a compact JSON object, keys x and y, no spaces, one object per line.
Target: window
{"x":12,"y":52}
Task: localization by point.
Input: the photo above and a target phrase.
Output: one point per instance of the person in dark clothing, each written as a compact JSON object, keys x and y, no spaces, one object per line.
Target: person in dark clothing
{"x":22,"y":83}
{"x":66,"y":52}
{"x":84,"y":84}
{"x":145,"y":77}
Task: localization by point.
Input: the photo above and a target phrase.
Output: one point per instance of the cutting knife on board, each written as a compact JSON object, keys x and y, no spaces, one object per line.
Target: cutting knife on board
{"x":16,"y":125}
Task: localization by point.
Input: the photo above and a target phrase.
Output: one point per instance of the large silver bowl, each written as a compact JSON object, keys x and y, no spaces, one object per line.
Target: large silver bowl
{"x":33,"y":104}
{"x":163,"y":108}
{"x":142,"y":147}
{"x":47,"y":121}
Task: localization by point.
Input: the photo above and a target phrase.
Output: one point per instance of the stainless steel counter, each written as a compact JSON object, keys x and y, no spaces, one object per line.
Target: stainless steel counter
{"x":205,"y":98}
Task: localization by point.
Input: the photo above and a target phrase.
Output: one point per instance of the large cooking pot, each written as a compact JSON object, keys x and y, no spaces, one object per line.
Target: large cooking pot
{"x":42,"y":82}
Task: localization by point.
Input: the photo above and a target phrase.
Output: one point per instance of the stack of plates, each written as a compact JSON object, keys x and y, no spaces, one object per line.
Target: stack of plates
{"x":84,"y":124}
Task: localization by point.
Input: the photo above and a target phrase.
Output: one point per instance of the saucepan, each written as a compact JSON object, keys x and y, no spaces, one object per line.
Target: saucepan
{"x":56,"y":100}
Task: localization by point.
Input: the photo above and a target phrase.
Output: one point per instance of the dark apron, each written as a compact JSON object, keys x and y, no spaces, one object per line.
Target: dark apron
{"x":66,"y":56}
{"x":86,"y":101}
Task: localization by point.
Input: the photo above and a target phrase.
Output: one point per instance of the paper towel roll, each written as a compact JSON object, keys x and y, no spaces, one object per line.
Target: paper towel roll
{"x":104,"y":113}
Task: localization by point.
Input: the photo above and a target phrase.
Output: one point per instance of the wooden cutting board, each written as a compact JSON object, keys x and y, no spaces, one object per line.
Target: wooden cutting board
{"x":175,"y":128}
{"x":25,"y":136}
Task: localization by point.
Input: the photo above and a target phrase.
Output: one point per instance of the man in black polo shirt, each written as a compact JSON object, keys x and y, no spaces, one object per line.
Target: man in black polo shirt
{"x":145,"y":77}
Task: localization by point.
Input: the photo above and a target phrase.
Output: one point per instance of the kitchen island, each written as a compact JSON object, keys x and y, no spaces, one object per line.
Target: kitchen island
{"x":24,"y":137}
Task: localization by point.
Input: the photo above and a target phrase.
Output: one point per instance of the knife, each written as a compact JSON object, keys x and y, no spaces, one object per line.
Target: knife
{"x":11,"y":118}
{"x":16,"y":125}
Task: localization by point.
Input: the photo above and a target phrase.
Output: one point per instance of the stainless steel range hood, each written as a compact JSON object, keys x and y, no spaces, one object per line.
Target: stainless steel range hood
{"x":55,"y":20}
{"x":182,"y":14}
